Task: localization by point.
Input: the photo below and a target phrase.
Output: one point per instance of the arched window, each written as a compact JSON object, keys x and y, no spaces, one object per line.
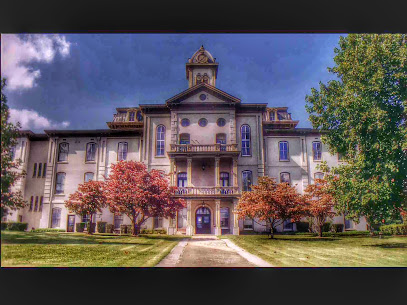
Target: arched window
{"x":63,"y":152}
{"x":285,"y":177}
{"x":160,"y":140}
{"x":182,"y":179}
{"x":283,"y":147}
{"x":206,"y":78}
{"x":198,"y":79}
{"x":247,"y":181}
{"x":88,"y":177}
{"x":246,"y":137}
{"x":91,"y":151}
{"x":184,"y":138}
{"x":122,"y":151}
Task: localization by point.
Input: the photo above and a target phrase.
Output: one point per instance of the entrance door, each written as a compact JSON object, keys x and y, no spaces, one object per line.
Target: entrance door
{"x":203,"y":221}
{"x":71,"y":223}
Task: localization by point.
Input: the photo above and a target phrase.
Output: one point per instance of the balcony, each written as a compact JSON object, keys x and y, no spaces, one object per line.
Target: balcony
{"x":123,"y":121}
{"x":203,"y":149}
{"x":207,"y":191}
{"x":278,"y":118}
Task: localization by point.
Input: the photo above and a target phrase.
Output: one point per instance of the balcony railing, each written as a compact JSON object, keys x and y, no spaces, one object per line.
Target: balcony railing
{"x":119,"y":118}
{"x":186,"y":148}
{"x":207,"y":190}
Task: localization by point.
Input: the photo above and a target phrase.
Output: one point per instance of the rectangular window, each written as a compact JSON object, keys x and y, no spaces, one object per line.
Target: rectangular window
{"x":288,"y":225}
{"x":246,"y":135}
{"x":56,"y":217}
{"x":36,"y":204}
{"x":348,"y":224}
{"x":224,"y":218}
{"x":88,"y":177}
{"x":39,"y":170}
{"x":44,"y":171}
{"x":118,"y":220}
{"x":160,"y":140}
{"x":91,"y":152}
{"x":158,"y":222}
{"x":60,"y":183}
{"x":41,"y":204}
{"x":35,"y":170}
{"x":63,"y":152}
{"x":317,"y":151}
{"x":131,"y":116}
{"x":31,"y":203}
{"x":122,"y":151}
{"x":319,"y":175}
{"x":283,"y":151}
{"x":248,"y":223}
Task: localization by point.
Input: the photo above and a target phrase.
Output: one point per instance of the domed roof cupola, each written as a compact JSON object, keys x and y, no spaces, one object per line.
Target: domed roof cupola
{"x":201,"y":68}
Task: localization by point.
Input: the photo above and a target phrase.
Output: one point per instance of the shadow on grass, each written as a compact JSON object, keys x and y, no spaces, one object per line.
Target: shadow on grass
{"x":389,"y":246}
{"x":306,"y":239}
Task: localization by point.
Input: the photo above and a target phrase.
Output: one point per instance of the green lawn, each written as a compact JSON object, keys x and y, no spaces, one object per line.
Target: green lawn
{"x":27,"y":249}
{"x":310,"y":251}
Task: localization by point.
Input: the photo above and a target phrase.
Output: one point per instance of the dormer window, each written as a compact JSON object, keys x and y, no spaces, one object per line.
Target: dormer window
{"x":131,"y":116}
{"x":139,"y":116}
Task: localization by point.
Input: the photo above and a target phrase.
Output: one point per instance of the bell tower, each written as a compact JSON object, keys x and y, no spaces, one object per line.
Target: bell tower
{"x":201,"y":68}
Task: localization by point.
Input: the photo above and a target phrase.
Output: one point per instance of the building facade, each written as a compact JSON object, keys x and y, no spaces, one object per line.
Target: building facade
{"x":212,"y":145}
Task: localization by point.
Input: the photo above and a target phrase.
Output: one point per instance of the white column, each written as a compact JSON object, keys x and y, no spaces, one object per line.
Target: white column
{"x":235,"y":219}
{"x":234,"y":172}
{"x":218,"y":230}
{"x":190,"y":227}
{"x":217,"y":171}
{"x":189,"y":172}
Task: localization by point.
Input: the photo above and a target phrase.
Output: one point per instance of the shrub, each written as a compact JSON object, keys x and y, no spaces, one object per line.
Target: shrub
{"x":14,"y":226}
{"x":129,"y":229}
{"x":92,"y":227}
{"x":101,"y":226}
{"x":337,"y":227}
{"x":109,"y":228}
{"x":80,"y":226}
{"x":123,"y":229}
{"x":160,"y":231}
{"x":327,"y":227}
{"x":346,"y":233}
{"x":302,"y":226}
{"x":146,"y":231}
{"x":394,"y":229}
{"x":41,"y":230}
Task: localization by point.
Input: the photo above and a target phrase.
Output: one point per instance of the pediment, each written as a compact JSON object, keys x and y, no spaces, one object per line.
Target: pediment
{"x":192,"y":95}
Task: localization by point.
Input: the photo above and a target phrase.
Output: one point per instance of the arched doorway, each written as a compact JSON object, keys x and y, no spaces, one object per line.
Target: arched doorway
{"x":203,"y":221}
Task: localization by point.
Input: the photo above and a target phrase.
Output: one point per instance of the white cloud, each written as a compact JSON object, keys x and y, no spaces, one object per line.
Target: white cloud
{"x":30,"y":119}
{"x":17,"y":53}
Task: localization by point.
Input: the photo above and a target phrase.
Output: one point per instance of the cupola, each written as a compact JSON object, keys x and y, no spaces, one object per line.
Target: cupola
{"x":201,"y":68}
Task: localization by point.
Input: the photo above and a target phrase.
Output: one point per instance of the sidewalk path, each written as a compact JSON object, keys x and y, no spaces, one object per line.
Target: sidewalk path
{"x":209,"y":251}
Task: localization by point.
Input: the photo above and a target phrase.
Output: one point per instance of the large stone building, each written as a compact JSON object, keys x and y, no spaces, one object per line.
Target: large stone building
{"x":212,"y":145}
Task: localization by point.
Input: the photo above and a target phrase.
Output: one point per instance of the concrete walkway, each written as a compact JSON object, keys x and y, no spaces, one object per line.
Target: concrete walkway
{"x":210,"y":251}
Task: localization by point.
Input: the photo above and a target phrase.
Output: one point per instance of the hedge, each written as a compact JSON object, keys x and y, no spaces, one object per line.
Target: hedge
{"x":394,"y":229}
{"x":109,"y":228}
{"x":155,"y":231}
{"x":126,"y":229}
{"x":337,"y":227}
{"x":14,"y":226}
{"x":302,"y":226}
{"x":327,"y":227}
{"x":346,"y":233}
{"x":42,"y":230}
{"x":101,"y":226}
{"x":80,"y":226}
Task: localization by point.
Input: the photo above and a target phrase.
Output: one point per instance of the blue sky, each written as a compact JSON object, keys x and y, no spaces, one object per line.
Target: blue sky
{"x":76,"y":81}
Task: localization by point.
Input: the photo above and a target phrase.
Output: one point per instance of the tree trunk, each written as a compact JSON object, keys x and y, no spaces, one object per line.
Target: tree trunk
{"x":90,"y":225}
{"x":320,"y":230}
{"x":271,"y":232}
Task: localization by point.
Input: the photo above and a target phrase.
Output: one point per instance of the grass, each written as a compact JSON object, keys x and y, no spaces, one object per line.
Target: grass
{"x":28,"y":249}
{"x":310,"y":251}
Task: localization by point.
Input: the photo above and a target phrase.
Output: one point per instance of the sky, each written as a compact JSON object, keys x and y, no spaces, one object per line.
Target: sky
{"x":75,"y":81}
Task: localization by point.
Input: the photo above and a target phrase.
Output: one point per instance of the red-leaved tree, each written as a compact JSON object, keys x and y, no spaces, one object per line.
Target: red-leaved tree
{"x":139,"y":194}
{"x":87,"y":200}
{"x":320,"y":202}
{"x":271,"y":202}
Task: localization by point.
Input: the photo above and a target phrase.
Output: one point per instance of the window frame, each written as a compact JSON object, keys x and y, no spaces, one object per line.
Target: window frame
{"x":203,"y":121}
{"x":44,"y":170}
{"x":222,"y":177}
{"x":132,"y":116}
{"x":279,"y":151}
{"x":59,"y":152}
{"x":58,"y":224}
{"x":184,"y":135}
{"x":221,"y":120}
{"x":246,"y":140}
{"x":182,"y":176}
{"x":160,"y":130}
{"x":158,"y":222}
{"x":41,"y":204}
{"x":57,"y":192}
{"x":31,"y":206}
{"x":187,"y":122}
{"x":228,"y":217}
{"x":39,"y":170}
{"x":36,"y":204}
{"x":35,"y":170}
{"x":245,"y":219}
{"x":94,"y":153}
{"x":122,"y":144}
{"x":314,"y":150}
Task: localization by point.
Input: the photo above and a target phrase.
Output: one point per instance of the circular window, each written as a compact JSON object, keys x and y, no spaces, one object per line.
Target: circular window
{"x":185,"y":122}
{"x":202,"y":97}
{"x":203,"y":122}
{"x":221,"y":122}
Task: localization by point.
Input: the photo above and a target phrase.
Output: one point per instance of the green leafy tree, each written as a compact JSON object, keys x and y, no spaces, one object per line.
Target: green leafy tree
{"x":365,"y":112}
{"x":9,"y":199}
